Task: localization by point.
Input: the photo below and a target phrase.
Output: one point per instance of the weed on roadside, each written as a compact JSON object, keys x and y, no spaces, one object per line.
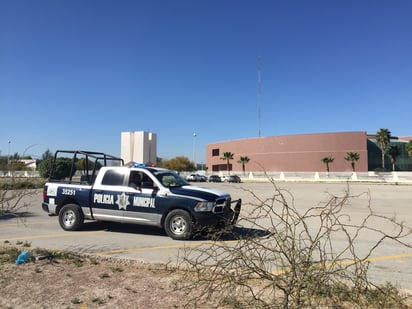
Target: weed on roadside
{"x":104,"y":275}
{"x":117,"y":269}
{"x":8,"y":255}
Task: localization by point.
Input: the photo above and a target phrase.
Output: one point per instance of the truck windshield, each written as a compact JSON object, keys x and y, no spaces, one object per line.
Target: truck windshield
{"x":169,"y":179}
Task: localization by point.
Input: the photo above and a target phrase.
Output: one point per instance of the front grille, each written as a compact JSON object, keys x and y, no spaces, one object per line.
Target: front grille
{"x":221,"y":203}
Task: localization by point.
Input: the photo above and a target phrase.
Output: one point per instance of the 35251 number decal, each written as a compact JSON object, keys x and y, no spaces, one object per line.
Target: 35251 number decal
{"x":66,"y":191}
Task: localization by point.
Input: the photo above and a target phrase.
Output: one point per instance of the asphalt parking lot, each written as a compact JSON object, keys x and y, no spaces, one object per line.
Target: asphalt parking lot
{"x":391,"y":262}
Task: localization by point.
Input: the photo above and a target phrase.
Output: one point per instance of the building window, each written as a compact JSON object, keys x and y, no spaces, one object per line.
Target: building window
{"x":215,"y":152}
{"x":221,"y":167}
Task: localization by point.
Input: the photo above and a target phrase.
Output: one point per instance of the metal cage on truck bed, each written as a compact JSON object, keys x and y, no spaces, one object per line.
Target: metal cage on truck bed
{"x":80,"y":166}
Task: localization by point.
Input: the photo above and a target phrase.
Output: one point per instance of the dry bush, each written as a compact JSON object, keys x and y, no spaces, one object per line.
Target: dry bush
{"x":295,"y":261}
{"x":13,"y":192}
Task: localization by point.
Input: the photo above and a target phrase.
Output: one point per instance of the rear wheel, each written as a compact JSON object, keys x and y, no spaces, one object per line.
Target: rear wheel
{"x":178,"y":225}
{"x":71,"y":217}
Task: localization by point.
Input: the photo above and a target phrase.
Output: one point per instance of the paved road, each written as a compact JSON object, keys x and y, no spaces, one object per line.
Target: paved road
{"x":392,"y":262}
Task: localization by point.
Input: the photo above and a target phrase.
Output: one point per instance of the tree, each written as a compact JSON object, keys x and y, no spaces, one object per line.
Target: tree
{"x":409,"y":148}
{"x":383,"y":137}
{"x":15,"y":157}
{"x":62,"y":168}
{"x":327,"y":160}
{"x":227,"y":156}
{"x":3,"y":164}
{"x":243,"y":160}
{"x":47,"y":154}
{"x":44,"y":164}
{"x":83,"y":165}
{"x":394,"y":153}
{"x":352,"y":157}
{"x":159,"y":162}
{"x":179,"y":164}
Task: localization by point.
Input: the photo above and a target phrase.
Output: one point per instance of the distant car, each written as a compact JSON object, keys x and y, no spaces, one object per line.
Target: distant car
{"x":192,"y":177}
{"x":202,"y":178}
{"x":215,"y":178}
{"x":233,"y":178}
{"x":196,"y":177}
{"x":224,"y":178}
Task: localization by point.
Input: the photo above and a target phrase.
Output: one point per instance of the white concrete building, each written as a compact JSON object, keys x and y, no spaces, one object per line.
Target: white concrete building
{"x":138,"y":147}
{"x":30,"y":163}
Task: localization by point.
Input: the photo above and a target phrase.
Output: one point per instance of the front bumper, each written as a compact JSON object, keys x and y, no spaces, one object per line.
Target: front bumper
{"x":226,"y":218}
{"x":236,"y":211}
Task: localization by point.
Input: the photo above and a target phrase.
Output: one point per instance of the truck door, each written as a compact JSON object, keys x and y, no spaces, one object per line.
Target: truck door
{"x":108,"y":200}
{"x":143,"y":194}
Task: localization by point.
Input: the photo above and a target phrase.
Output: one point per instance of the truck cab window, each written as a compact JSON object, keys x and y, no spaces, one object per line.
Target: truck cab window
{"x":113,"y":178}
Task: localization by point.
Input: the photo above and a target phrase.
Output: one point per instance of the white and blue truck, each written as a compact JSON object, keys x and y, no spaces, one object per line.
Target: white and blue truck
{"x":86,"y":185}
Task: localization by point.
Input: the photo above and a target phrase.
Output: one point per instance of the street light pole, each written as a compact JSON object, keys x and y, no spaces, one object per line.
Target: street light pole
{"x":8,"y":156}
{"x":194,"y":148}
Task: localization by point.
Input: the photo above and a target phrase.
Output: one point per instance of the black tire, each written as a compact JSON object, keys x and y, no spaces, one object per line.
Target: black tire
{"x":71,"y":217}
{"x":179,"y":225}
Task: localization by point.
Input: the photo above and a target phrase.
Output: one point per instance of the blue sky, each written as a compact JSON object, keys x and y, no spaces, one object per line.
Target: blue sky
{"x":75,"y":74}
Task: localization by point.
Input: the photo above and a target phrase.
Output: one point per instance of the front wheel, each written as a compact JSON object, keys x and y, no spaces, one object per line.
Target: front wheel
{"x":71,"y":217}
{"x":178,"y":225}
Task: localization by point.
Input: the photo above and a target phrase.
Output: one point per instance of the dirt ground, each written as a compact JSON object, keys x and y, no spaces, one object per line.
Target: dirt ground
{"x":89,"y":283}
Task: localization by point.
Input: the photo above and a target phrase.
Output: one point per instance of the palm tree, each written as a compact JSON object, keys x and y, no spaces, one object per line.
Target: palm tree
{"x":327,"y":160}
{"x":243,"y":161}
{"x":227,"y":156}
{"x":409,"y":148}
{"x":393,"y":152}
{"x":352,"y":157}
{"x":383,"y":137}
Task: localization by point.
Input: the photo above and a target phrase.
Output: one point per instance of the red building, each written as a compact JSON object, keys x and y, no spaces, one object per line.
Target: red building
{"x":291,"y":153}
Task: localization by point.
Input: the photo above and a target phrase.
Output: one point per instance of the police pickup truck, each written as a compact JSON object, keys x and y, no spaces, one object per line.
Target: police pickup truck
{"x":97,"y":186}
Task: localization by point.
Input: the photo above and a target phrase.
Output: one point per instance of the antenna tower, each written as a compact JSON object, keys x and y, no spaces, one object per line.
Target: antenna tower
{"x":259,"y":68}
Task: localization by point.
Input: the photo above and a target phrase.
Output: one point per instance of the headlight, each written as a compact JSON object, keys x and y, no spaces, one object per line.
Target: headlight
{"x":204,"y":206}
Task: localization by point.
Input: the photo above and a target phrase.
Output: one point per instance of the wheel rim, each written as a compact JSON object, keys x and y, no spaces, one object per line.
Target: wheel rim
{"x":69,"y":218}
{"x":178,"y":225}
